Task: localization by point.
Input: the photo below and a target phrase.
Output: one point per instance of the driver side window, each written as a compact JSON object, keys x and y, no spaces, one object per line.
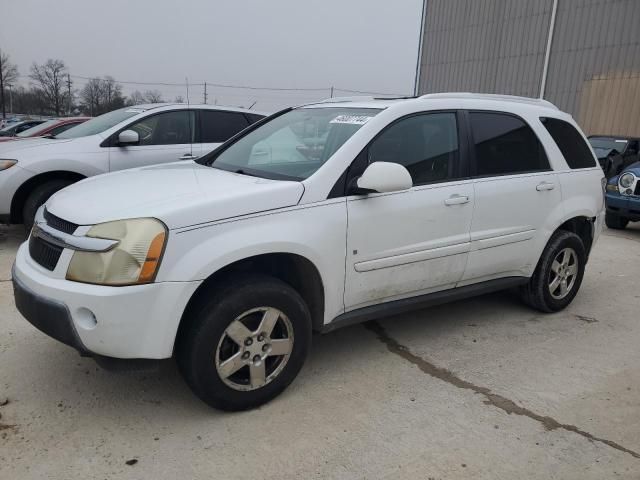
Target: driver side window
{"x":425,"y":144}
{"x":168,"y":128}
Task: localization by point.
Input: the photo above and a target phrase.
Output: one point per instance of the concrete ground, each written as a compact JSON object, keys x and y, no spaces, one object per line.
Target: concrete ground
{"x":481,"y":389}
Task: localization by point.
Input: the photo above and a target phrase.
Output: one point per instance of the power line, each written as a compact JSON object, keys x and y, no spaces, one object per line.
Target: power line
{"x":239,"y":87}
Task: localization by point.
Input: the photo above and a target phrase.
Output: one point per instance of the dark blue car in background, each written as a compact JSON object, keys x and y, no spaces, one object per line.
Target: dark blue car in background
{"x":623,"y":198}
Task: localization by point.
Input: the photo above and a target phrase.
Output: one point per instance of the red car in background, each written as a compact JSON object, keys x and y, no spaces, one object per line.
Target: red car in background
{"x":50,"y":128}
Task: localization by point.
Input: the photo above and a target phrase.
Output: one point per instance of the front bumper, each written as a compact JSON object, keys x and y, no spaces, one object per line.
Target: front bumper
{"x":47,"y":315}
{"x":624,"y":206}
{"x":139,"y":321}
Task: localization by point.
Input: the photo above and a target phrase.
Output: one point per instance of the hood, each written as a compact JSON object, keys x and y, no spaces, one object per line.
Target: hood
{"x":633,"y":168}
{"x":180,"y":194}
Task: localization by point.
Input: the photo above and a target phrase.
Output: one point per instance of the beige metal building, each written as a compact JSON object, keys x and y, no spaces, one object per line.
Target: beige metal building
{"x":582,"y":55}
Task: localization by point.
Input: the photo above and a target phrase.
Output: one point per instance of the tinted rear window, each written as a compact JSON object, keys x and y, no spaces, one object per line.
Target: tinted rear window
{"x":573,"y":147}
{"x":505,"y":145}
{"x":220,"y":126}
{"x":253,"y":117}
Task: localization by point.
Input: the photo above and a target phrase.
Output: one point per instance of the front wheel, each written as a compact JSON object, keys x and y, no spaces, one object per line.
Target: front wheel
{"x":615,"y":222}
{"x":38,"y":197}
{"x":559,"y":273}
{"x":246,"y":343}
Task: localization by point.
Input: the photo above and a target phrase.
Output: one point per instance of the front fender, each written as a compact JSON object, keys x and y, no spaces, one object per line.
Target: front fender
{"x":316,"y":232}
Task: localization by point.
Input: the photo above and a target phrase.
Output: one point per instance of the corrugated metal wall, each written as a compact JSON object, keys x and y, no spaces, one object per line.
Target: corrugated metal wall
{"x":498,"y":46}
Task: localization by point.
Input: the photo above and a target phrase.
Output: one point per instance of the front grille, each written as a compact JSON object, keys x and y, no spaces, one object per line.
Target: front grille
{"x":44,"y":253}
{"x":58,"y":223}
{"x":637,"y":192}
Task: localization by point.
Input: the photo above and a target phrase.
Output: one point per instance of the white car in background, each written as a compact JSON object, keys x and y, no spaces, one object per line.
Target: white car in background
{"x":319,"y":217}
{"x":33,"y":170}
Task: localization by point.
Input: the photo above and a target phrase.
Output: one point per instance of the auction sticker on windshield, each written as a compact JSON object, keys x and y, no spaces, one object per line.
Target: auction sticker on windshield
{"x":351,"y":119}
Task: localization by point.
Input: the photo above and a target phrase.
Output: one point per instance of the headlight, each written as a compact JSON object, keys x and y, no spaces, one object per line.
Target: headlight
{"x":4,"y":164}
{"x":612,"y":187}
{"x":134,"y":260}
{"x":627,"y":180}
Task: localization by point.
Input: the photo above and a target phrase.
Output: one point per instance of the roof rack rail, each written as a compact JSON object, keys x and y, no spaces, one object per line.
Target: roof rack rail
{"x":365,"y":98}
{"x":490,"y":96}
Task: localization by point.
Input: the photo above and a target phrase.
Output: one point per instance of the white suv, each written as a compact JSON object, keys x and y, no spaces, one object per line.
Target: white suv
{"x":32,"y":170}
{"x":318,"y":217}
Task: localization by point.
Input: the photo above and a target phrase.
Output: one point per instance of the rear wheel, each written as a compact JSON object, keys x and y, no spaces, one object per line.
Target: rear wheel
{"x":38,"y":197}
{"x":246,"y":343}
{"x":558,"y":275}
{"x":615,"y":222}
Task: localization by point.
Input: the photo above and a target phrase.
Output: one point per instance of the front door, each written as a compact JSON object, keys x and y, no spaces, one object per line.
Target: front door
{"x":413,"y":242}
{"x":164,"y":137}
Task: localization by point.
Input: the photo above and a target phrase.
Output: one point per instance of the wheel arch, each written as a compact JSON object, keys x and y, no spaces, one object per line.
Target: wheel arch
{"x":23,"y":191}
{"x":295,"y":270}
{"x":583,"y":226}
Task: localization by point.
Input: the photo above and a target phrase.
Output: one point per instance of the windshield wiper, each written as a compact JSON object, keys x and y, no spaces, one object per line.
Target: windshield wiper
{"x":243,"y":172}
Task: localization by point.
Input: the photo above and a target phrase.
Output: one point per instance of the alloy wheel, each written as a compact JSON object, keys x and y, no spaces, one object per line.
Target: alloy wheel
{"x":254,"y":348}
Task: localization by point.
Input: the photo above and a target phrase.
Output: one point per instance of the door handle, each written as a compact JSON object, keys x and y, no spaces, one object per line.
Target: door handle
{"x":456,"y":200}
{"x":187,"y":156}
{"x":544,"y":186}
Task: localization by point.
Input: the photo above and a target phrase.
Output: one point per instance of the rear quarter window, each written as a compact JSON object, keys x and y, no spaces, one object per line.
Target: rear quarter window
{"x":573,"y":147}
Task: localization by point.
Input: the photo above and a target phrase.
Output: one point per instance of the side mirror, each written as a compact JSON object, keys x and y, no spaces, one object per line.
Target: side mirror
{"x":383,"y":177}
{"x":128,"y":137}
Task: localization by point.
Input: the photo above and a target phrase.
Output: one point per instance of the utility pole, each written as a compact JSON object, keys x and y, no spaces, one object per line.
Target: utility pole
{"x":4,"y":114}
{"x":331,"y":93}
{"x":205,"y":93}
{"x":10,"y":98}
{"x":69,"y":94}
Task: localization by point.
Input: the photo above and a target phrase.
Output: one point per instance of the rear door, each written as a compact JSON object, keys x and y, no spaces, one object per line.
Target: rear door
{"x":515,"y":193}
{"x":164,"y":137}
{"x":218,"y":126}
{"x":409,"y":243}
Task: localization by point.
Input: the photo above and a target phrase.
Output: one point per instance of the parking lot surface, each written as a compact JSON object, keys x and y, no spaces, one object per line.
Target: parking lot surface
{"x":484,"y":389}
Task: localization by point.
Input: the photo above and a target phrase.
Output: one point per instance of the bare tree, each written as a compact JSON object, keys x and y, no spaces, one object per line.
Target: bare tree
{"x":8,"y":77}
{"x":136,"y":98}
{"x":179,"y":99}
{"x":50,"y":78}
{"x":101,"y":95}
{"x":153,"y":96}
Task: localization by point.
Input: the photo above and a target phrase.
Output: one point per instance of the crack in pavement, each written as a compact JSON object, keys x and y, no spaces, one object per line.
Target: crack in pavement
{"x":498,"y":401}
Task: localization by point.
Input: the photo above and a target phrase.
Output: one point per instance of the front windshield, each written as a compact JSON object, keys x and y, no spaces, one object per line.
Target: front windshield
{"x":100,"y":124}
{"x":33,"y":131}
{"x":603,"y":145}
{"x":294,"y":145}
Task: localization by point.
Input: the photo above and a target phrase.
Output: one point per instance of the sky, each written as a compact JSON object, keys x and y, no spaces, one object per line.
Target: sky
{"x":367,"y":45}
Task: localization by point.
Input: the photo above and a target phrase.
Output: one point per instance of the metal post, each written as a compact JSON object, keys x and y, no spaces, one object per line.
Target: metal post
{"x":10,"y":87}
{"x":331,"y":92}
{"x":205,"y":93}
{"x":69,"y":94}
{"x":423,"y":21}
{"x":547,"y":54}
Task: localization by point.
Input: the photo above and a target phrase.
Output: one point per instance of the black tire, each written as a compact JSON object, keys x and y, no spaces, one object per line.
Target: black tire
{"x":537,"y":292}
{"x":615,"y":222}
{"x":197,"y":347}
{"x":38,"y":197}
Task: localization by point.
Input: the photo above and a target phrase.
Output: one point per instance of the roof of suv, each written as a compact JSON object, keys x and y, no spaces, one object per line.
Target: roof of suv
{"x":464,"y":99}
{"x":151,"y":106}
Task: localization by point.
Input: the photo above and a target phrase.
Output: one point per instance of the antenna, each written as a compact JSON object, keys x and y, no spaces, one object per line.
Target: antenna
{"x":186,"y":80}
